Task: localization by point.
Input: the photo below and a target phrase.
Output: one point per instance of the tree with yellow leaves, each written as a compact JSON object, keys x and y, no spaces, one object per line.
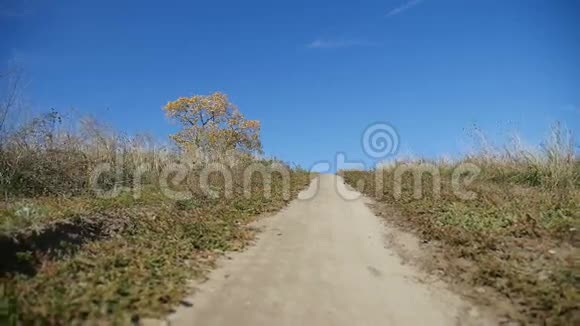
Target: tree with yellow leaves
{"x":212,"y":124}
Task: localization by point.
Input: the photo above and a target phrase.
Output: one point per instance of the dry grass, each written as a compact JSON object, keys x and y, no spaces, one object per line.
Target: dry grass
{"x":139,"y":263}
{"x":69,"y":256}
{"x":519,"y":236}
{"x":53,"y":156}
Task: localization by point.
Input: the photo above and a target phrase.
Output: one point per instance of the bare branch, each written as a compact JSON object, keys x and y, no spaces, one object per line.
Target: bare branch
{"x":13,"y":79}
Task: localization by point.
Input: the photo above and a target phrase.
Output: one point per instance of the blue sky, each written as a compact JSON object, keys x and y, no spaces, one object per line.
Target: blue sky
{"x":316,"y":73}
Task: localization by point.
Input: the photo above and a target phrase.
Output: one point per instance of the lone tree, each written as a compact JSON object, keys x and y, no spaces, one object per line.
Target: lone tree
{"x":212,"y":124}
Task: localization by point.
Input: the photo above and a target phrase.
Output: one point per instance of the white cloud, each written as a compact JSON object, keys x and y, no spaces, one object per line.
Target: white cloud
{"x":404,"y":7}
{"x":332,"y":44}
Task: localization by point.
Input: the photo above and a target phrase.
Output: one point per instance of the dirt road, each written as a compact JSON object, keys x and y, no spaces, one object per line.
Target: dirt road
{"x":323,"y":261}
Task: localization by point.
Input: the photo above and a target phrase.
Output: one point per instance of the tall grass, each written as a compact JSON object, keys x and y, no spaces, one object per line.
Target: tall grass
{"x":128,"y":256}
{"x":553,"y":165}
{"x":518,"y":235}
{"x":53,"y":156}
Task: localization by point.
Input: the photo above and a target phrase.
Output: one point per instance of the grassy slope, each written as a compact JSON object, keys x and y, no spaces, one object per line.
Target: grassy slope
{"x":519,"y":236}
{"x":139,"y":262}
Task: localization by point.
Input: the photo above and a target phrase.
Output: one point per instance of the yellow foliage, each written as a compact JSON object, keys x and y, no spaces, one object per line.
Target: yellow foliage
{"x":212,"y":123}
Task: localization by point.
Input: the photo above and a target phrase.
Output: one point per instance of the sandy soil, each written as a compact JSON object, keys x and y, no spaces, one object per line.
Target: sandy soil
{"x":324,"y":260}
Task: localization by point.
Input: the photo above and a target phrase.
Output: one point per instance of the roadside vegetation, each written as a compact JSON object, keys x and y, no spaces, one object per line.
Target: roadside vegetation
{"x":517,"y":237}
{"x":97,"y":226}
